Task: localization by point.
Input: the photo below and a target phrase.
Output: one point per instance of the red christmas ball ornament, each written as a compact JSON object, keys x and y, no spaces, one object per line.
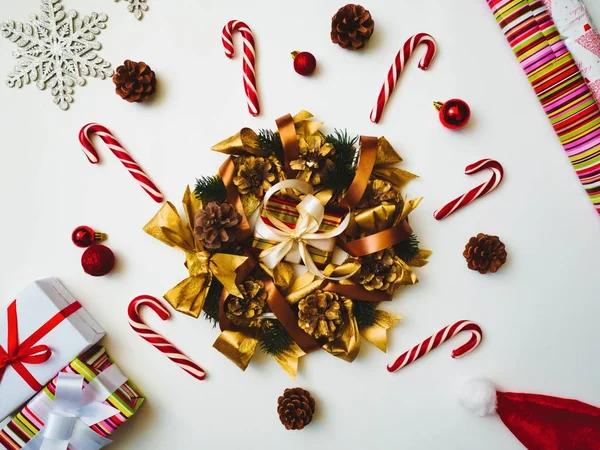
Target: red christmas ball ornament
{"x":454,"y":114}
{"x":98,"y":260}
{"x":84,"y":236}
{"x":304,"y":63}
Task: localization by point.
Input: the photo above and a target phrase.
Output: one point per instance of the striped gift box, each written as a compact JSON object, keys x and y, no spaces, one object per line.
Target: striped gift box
{"x":558,"y":83}
{"x":127,"y":400}
{"x":285,"y":210}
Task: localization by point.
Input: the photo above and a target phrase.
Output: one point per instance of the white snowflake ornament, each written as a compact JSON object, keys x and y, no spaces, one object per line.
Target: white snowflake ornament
{"x":56,"y":50}
{"x":137,"y":7}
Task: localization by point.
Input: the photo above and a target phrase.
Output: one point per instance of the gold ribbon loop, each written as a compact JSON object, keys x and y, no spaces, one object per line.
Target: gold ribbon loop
{"x":227,"y":172}
{"x":378,"y":241}
{"x":366,"y":163}
{"x":289,"y":140}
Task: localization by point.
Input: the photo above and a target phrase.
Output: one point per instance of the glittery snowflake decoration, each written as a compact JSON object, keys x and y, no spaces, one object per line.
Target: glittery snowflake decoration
{"x":137,"y":7}
{"x":56,"y":50}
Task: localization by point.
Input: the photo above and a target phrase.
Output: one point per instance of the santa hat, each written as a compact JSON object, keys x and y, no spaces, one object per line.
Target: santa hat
{"x":540,"y":422}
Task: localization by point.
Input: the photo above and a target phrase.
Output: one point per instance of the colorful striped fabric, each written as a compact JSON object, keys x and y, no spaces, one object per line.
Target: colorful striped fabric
{"x":126,"y":399}
{"x":285,"y":210}
{"x":559,"y":85}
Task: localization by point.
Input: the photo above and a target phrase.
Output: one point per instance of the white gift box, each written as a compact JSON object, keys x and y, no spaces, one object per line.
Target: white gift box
{"x":35,"y":306}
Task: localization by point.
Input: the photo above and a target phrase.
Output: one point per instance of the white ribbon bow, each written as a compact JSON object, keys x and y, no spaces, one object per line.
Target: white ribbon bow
{"x":75,"y":409}
{"x":293,"y":242}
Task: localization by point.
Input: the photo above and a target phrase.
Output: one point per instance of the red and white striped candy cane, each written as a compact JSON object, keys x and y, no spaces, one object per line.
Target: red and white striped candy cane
{"x":249,"y":64}
{"x":172,"y":352}
{"x":134,"y":169}
{"x":398,"y":66}
{"x":439,"y":338}
{"x":475,"y":193}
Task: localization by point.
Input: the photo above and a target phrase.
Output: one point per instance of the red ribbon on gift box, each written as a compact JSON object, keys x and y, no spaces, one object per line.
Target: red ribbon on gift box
{"x":27,"y":352}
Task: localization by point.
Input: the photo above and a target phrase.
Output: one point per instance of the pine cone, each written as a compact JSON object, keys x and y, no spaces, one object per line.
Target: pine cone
{"x":136,"y":82}
{"x":320,"y":315}
{"x":352,"y":27}
{"x":296,"y":408}
{"x":314,"y":160}
{"x":378,"y":192}
{"x":380,"y":271}
{"x":485,"y":253}
{"x":215,"y":225}
{"x":252,"y":304}
{"x":254,"y":175}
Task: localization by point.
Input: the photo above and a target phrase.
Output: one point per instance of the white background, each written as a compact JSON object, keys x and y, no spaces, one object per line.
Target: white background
{"x":539,"y":313}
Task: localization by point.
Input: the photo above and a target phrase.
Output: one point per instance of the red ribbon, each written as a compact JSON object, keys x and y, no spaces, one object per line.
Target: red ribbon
{"x":27,"y":352}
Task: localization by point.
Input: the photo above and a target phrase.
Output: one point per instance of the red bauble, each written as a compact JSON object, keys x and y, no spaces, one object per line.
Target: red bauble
{"x":454,"y":114}
{"x":98,"y":260}
{"x":84,"y":236}
{"x":304,"y":63}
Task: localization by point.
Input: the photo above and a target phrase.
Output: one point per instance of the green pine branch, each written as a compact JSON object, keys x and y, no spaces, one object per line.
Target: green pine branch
{"x":274,"y":339}
{"x":211,"y":304}
{"x":407,"y":249}
{"x":271,"y":142}
{"x":210,"y":189}
{"x":346,"y":155}
{"x":365,"y":313}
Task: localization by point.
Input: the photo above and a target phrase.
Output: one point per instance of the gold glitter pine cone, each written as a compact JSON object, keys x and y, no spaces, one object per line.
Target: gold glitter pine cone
{"x":314,"y":160}
{"x":215,"y":225}
{"x":320,"y":314}
{"x":378,"y":192}
{"x":254,"y":175}
{"x":135,"y":81}
{"x":252,"y":304}
{"x":485,"y":253}
{"x":380,"y":271}
{"x":352,"y":27}
{"x":296,"y":408}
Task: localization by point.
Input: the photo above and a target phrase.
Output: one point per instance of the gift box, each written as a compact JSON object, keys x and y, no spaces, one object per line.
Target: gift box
{"x":120,"y":397}
{"x":42,"y":330}
{"x":285,"y":210}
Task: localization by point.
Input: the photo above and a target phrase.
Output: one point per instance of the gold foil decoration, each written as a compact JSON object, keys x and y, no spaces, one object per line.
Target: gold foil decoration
{"x":347,"y":345}
{"x":386,"y":157}
{"x":288,"y":360}
{"x":238,"y":346}
{"x":245,"y":142}
{"x":189,"y":295}
{"x":421,"y":259}
{"x":376,"y":334}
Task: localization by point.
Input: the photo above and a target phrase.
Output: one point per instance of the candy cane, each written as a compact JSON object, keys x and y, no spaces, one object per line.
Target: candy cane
{"x":172,"y":352}
{"x":398,"y":66}
{"x":249,"y":60}
{"x":475,"y":193}
{"x":439,"y":338}
{"x":134,"y":169}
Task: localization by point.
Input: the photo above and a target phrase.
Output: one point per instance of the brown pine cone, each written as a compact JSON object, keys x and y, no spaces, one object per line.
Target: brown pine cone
{"x":252,"y":304}
{"x":352,"y":27}
{"x":296,"y":408}
{"x":215,"y":225}
{"x":485,"y":253}
{"x":136,"y":82}
{"x":320,"y":315}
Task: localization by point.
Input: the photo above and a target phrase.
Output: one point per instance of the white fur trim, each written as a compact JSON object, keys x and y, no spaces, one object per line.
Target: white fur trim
{"x":479,"y":397}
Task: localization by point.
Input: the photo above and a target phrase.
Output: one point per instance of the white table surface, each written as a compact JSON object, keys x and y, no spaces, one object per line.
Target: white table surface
{"x":539,"y":313}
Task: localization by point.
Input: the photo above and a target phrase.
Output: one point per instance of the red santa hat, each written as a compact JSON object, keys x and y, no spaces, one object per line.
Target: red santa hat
{"x":540,"y":422}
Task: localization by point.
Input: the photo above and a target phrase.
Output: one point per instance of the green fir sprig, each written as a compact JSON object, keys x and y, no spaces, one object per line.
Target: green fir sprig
{"x":210,"y":189}
{"x":270,"y":142}
{"x":365,"y":313}
{"x":346,"y":154}
{"x":274,"y":339}
{"x":408,"y":249}
{"x":211,"y":304}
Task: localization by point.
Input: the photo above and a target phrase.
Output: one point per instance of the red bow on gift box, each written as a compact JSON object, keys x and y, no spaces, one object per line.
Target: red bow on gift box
{"x":27,"y":352}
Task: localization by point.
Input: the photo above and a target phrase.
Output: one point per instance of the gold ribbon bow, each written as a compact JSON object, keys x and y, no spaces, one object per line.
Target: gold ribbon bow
{"x":189,"y":295}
